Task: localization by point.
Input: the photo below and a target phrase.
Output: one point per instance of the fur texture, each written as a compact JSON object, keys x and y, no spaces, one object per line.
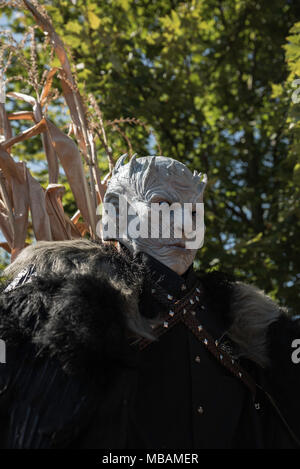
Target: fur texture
{"x":85,"y":298}
{"x":61,"y":257}
{"x":83,"y":303}
{"x":252,"y":312}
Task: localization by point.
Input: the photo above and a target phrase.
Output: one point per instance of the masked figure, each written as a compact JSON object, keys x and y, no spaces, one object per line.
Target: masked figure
{"x":121,"y":344}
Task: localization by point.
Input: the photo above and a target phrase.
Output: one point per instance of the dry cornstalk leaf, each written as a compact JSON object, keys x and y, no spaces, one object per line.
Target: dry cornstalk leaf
{"x":74,"y":231}
{"x":82,"y":228}
{"x":9,"y":167}
{"x":76,"y":217}
{"x":53,"y":167}
{"x":16,"y":206}
{"x":5,"y":128}
{"x":39,"y":215}
{"x":70,"y":159}
{"x":37,"y":110}
{"x":52,"y":160}
{"x":5,"y":227}
{"x":21,"y":207}
{"x":61,"y":226}
{"x":35,"y":130}
{"x":54,"y":193}
{"x":24,"y":97}
{"x":5,"y":246}
{"x":7,"y":218}
{"x":74,"y":108}
{"x":21,"y":115}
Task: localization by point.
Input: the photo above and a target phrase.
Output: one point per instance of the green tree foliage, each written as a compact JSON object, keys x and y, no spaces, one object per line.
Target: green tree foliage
{"x":210,"y":77}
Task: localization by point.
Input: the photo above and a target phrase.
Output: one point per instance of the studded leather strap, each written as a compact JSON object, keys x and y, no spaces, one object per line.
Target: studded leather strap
{"x":183,"y":311}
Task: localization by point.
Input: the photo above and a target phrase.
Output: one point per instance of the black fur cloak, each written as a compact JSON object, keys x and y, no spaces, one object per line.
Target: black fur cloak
{"x":72,"y":377}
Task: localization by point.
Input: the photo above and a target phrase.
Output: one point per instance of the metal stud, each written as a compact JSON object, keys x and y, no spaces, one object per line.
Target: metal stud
{"x":197,"y":359}
{"x":257,"y":405}
{"x":170,"y":297}
{"x":153,"y":290}
{"x":184,"y":311}
{"x":183,"y":287}
{"x":197,"y":298}
{"x":216,"y":343}
{"x":205,"y":341}
{"x":240,"y":374}
{"x":171,"y":313}
{"x":197,"y":290}
{"x":200,"y":328}
{"x":193,"y":313}
{"x":232,"y":361}
{"x":221,"y":357}
{"x":191,"y":301}
{"x":166,"y":324}
{"x":200,"y":410}
{"x":202,"y":307}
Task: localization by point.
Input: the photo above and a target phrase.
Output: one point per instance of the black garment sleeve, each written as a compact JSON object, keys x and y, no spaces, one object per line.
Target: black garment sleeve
{"x":282,"y":377}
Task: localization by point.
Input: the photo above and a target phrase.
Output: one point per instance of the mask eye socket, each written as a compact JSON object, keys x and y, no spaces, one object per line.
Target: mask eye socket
{"x":161,"y":202}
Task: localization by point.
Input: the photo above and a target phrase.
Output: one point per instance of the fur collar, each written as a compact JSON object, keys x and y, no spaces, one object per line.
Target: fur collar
{"x":252,"y":312}
{"x":58,"y":311}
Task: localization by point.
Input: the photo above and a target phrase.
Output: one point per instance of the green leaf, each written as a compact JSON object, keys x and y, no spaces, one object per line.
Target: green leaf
{"x":94,"y":20}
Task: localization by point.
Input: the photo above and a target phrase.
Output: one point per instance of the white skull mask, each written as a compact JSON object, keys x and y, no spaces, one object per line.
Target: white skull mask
{"x":155,"y":183}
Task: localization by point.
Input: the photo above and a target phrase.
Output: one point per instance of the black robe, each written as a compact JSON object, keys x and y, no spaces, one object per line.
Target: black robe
{"x":73,"y":378}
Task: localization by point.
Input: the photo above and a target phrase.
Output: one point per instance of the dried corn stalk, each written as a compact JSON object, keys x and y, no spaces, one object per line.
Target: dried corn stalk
{"x":20,"y":193}
{"x":23,"y":201}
